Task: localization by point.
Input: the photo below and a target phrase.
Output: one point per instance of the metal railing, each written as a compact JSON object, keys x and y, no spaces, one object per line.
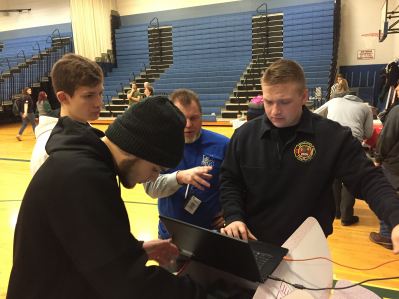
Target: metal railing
{"x":265,"y":37}
{"x":154,"y":23}
{"x":32,"y":69}
{"x":145,"y":71}
{"x":38,"y":47}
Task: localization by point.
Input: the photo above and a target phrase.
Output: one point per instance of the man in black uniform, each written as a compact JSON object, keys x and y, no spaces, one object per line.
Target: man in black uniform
{"x":279,"y":169}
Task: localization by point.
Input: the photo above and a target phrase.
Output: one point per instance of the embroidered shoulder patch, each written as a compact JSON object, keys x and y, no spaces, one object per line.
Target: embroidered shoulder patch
{"x":304,"y":151}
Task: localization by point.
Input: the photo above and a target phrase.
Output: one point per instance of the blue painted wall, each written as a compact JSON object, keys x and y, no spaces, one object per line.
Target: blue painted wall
{"x":34,"y":31}
{"x":213,"y":10}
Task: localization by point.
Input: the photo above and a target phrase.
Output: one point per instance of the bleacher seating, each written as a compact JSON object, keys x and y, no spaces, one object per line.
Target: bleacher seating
{"x":209,"y":55}
{"x":267,"y":46}
{"x":214,"y":55}
{"x":24,"y":61}
{"x":132,"y":57}
{"x":28,"y":46}
{"x":308,"y":39}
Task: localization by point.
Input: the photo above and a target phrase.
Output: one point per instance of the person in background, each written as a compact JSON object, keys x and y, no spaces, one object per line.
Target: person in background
{"x":279,"y":169}
{"x":43,"y":105}
{"x":26,"y":111}
{"x":133,"y":96}
{"x":387,"y":156}
{"x":145,"y":85}
{"x":148,"y":91}
{"x":352,"y":112}
{"x":341,"y":90}
{"x":190,"y":191}
{"x":78,"y":85}
{"x":340,"y":87}
{"x":255,"y":108}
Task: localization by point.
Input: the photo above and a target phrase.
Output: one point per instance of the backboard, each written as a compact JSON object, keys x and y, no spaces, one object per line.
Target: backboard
{"x":389,"y":19}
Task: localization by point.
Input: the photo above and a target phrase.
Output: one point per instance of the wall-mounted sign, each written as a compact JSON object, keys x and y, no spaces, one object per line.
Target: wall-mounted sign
{"x":367,"y":54}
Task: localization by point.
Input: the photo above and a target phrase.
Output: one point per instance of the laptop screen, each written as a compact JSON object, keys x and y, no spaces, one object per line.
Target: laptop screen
{"x":220,"y":251}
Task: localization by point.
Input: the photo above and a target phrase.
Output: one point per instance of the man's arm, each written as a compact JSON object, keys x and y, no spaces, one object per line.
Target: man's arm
{"x":389,"y":136}
{"x":322,"y":110}
{"x":232,"y":189}
{"x":136,"y":99}
{"x":368,"y":124}
{"x":165,"y":185}
{"x":366,"y":181}
{"x":129,"y":94}
{"x":232,"y":184}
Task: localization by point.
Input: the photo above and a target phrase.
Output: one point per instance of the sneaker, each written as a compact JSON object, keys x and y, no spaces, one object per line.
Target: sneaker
{"x":380,"y":240}
{"x":352,"y":220}
{"x":19,"y":137}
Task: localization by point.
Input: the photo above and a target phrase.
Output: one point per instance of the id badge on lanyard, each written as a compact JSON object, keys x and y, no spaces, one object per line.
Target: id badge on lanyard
{"x":191,"y":201}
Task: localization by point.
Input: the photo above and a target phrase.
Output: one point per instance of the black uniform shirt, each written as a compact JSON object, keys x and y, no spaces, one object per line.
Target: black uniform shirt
{"x":273,"y":186}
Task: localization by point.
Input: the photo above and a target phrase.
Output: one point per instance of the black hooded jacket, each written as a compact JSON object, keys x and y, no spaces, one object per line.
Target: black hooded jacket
{"x":73,"y":239}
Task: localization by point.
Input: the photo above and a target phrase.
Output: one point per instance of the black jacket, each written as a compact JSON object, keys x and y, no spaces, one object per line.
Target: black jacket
{"x":274,"y":188}
{"x":73,"y":239}
{"x":21,"y":102}
{"x":388,"y":143}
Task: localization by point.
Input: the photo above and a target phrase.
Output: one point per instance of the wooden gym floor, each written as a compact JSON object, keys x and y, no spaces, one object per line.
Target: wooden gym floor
{"x":349,"y":245}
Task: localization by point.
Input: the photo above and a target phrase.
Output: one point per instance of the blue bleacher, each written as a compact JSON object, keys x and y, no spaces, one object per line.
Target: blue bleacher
{"x":16,"y":74}
{"x":132,"y":55}
{"x":209,"y":56}
{"x":308,"y":39}
{"x":25,"y":45}
{"x":18,"y":45}
{"x":211,"y":53}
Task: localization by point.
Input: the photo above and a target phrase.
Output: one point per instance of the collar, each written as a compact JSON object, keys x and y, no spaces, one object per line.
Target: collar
{"x":305,"y":124}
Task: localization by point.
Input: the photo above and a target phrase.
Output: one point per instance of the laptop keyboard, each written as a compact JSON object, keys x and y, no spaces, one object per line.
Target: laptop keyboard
{"x":261,"y":258}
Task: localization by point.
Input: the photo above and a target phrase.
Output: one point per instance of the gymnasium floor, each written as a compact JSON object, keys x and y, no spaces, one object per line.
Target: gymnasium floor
{"x":348,"y":245}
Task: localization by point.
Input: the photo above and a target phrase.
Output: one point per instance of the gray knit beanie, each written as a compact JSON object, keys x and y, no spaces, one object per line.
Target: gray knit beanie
{"x":152,"y":130}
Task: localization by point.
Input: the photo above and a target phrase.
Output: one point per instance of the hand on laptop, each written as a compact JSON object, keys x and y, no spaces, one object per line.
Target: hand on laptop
{"x":238,"y":229}
{"x":161,"y":251}
{"x":197,"y":176}
{"x":218,"y":221}
{"x":395,"y":239}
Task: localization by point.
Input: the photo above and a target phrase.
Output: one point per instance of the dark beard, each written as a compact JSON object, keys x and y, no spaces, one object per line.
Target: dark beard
{"x":123,"y":171}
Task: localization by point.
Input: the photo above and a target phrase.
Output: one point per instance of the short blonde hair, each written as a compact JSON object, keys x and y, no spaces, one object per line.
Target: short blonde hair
{"x":284,"y":71}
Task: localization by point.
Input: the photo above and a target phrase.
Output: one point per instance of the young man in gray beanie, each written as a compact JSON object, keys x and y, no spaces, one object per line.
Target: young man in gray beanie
{"x":72,"y":237}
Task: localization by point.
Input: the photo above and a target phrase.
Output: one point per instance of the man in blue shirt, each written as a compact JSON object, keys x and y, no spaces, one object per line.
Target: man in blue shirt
{"x":190,"y":192}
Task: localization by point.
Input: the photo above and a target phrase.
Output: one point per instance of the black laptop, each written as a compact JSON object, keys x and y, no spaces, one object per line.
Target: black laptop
{"x":252,"y":260}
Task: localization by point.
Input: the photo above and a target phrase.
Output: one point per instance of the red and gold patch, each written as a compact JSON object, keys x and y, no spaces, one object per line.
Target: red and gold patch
{"x":304,"y":151}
